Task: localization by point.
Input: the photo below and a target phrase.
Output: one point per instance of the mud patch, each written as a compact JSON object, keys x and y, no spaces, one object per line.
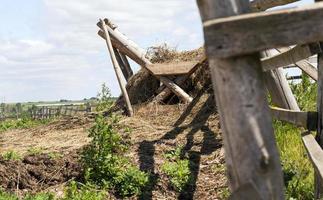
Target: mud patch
{"x":37,"y":172}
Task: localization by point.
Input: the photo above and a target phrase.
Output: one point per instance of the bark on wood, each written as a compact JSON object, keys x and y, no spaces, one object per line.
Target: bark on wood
{"x":307,"y":120}
{"x":261,"y":5}
{"x":117,"y":69}
{"x":254,"y":32}
{"x":304,"y":65}
{"x":133,"y":51}
{"x":279,"y":88}
{"x":251,"y":152}
{"x":292,"y":56}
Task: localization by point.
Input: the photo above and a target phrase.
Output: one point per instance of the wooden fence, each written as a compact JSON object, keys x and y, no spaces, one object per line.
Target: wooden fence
{"x":233,"y":39}
{"x":247,"y":50}
{"x":50,"y":111}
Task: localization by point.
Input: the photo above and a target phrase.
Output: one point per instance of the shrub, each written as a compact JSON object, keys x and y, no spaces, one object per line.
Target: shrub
{"x":104,"y":161}
{"x":104,"y":99}
{"x":11,"y":155}
{"x":177,"y":169}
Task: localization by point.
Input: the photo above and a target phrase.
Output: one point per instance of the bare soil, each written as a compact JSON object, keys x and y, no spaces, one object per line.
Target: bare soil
{"x":156,"y":129}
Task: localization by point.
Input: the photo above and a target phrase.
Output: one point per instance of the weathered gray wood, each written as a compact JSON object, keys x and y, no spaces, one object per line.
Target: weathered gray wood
{"x":278,"y":87}
{"x":292,"y":56}
{"x":178,"y":68}
{"x":246,"y":192}
{"x":318,"y":180}
{"x":251,"y":152}
{"x":127,"y":65}
{"x":307,"y":120}
{"x":117,"y":69}
{"x":315,"y":153}
{"x":121,"y":64}
{"x":261,"y":5}
{"x":163,"y":92}
{"x":133,"y":51}
{"x":249,"y":33}
{"x":304,"y":65}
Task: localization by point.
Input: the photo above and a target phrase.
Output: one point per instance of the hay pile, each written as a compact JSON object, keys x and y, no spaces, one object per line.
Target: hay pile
{"x":142,"y":86}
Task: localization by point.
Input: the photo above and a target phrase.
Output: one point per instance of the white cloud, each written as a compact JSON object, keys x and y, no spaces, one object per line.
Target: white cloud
{"x":68,"y":59}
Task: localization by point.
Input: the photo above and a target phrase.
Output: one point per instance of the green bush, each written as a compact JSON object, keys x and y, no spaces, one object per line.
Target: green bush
{"x":105,"y":164}
{"x":11,"y":155}
{"x":177,"y":169}
{"x":83,"y":192}
{"x":21,"y":124}
{"x":105,"y":100}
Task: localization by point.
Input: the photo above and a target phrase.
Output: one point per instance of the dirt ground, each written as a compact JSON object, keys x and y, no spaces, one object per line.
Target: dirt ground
{"x":155,"y":130}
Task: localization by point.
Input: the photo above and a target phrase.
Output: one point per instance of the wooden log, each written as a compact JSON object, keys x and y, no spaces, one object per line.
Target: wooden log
{"x":304,"y":65}
{"x":163,"y":92}
{"x":117,"y":69}
{"x":318,"y":180}
{"x":278,"y":87}
{"x":121,"y":64}
{"x":315,"y":154}
{"x":248,"y":136}
{"x":179,"y":68}
{"x":127,"y":65}
{"x":132,"y":50}
{"x":249,"y":33}
{"x":292,"y":56}
{"x":307,"y":120}
{"x":262,"y":5}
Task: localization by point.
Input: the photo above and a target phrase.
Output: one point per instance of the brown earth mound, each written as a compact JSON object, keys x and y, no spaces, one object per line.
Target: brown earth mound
{"x":38,"y":172}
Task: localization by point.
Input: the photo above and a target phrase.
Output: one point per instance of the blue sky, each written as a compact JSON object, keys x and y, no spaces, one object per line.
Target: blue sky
{"x":50,"y":51}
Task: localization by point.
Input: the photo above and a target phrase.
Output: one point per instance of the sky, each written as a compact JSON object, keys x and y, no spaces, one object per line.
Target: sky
{"x":50,"y":49}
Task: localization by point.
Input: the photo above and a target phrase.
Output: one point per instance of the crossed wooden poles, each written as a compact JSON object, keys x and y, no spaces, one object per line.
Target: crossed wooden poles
{"x":233,"y":39}
{"x":120,"y":47}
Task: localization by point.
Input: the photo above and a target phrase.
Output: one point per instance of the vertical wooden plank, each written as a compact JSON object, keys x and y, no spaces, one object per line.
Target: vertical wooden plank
{"x":318,"y":181}
{"x":251,"y":152}
{"x":117,"y":69}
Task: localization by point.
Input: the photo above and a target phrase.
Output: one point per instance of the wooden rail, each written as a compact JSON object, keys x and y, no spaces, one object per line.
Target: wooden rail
{"x":232,"y":40}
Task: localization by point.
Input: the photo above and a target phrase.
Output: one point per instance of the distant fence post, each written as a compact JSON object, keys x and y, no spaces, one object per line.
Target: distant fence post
{"x":251,"y":154}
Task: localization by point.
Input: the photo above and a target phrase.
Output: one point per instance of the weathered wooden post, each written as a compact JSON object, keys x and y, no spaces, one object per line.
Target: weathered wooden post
{"x":251,"y":154}
{"x":117,"y":68}
{"x":318,"y":180}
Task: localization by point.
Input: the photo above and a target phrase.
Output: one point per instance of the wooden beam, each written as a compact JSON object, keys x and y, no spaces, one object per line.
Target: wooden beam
{"x":178,"y":68}
{"x":117,"y":69}
{"x":315,"y":154}
{"x":121,"y":64}
{"x":262,"y":5}
{"x":304,"y":65}
{"x":127,"y":65}
{"x":249,"y":33}
{"x":307,"y":120}
{"x":163,"y":92}
{"x":278,"y":87}
{"x":133,"y":51}
{"x":292,"y":56}
{"x":318,"y":180}
{"x":248,"y":136}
